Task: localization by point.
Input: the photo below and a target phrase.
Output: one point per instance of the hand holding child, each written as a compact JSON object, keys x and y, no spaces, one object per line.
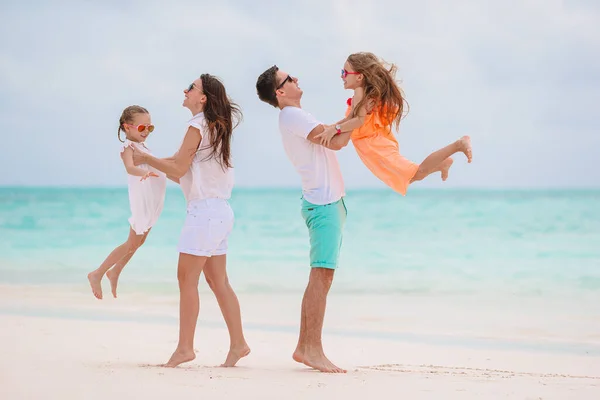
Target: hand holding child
{"x":327,"y":135}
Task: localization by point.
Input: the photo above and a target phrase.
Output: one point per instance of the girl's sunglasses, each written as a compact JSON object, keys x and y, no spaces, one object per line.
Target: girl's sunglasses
{"x":141,"y":128}
{"x":346,"y":73}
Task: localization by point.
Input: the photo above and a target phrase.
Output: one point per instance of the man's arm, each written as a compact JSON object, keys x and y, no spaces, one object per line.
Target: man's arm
{"x":337,"y":143}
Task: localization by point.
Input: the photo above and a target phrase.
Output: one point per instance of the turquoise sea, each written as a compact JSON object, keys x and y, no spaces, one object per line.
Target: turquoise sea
{"x":431,"y":242}
{"x":511,"y":268}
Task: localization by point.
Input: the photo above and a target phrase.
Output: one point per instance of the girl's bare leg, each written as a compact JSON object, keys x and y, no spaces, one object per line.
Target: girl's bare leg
{"x":440,"y":160}
{"x":188,"y":273}
{"x":215,"y":273}
{"x":95,"y":277}
{"x":113,"y":274}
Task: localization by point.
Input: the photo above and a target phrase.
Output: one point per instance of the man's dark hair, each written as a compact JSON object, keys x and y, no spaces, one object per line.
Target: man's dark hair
{"x":266,"y":85}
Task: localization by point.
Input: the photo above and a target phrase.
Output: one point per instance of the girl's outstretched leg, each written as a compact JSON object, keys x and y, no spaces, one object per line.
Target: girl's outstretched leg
{"x":444,"y":167}
{"x":95,"y":277}
{"x":133,"y":243}
{"x":441,"y":161}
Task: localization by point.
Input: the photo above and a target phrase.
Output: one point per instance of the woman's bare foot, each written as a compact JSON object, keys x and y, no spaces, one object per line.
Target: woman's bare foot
{"x":444,"y":167}
{"x":96,"y":283}
{"x":465,"y":146}
{"x":113,"y":278}
{"x":235,"y":354}
{"x":180,"y":357}
{"x":317,"y":360}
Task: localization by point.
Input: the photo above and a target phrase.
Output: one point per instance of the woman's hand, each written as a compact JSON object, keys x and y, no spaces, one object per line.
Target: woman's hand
{"x":138,"y":156}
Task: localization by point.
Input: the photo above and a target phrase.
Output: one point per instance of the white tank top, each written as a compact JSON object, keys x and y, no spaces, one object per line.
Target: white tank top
{"x":206,"y":178}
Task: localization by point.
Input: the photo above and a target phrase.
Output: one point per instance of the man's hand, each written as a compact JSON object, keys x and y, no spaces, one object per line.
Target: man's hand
{"x":328,"y":133}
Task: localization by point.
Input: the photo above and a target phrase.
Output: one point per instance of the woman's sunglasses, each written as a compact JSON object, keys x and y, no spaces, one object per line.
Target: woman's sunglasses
{"x":141,"y":128}
{"x":189,"y":88}
{"x":346,"y":73}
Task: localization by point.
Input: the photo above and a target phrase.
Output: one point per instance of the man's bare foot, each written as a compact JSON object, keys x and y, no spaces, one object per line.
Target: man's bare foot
{"x":96,"y":284}
{"x":444,"y":167}
{"x":465,"y":146}
{"x":113,"y":278}
{"x":180,"y":357}
{"x":235,"y":354}
{"x":318,"y":361}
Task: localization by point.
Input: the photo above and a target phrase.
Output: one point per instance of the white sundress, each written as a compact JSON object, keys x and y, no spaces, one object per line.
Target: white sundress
{"x":147,"y":197}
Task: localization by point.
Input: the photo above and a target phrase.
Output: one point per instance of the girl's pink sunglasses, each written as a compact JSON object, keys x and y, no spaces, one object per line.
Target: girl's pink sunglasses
{"x":346,"y":73}
{"x":141,"y":128}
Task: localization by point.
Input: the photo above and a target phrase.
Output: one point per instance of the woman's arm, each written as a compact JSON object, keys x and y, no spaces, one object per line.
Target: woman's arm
{"x":176,"y":180}
{"x":178,"y":165}
{"x":127,"y":157}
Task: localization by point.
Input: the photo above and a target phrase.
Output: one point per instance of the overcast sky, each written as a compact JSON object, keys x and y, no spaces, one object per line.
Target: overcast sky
{"x":522,"y":77}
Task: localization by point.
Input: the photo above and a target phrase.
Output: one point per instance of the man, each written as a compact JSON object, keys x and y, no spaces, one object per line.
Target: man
{"x":323,"y":206}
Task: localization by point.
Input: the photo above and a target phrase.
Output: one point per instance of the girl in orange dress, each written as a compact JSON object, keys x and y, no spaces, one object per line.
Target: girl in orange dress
{"x":378,"y":104}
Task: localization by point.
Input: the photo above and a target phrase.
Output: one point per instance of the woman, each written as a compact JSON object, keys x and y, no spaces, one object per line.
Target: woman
{"x":203,"y":168}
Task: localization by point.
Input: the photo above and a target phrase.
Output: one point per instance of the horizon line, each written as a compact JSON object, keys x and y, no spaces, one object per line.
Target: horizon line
{"x":350,"y":189}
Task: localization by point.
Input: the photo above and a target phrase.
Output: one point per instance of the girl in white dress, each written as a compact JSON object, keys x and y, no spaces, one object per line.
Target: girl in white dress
{"x":147,"y":187}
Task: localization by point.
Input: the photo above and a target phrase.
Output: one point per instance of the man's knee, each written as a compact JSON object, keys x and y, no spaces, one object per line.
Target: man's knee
{"x":322,"y":276}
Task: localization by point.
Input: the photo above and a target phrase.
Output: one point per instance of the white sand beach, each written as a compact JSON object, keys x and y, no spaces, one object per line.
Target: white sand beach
{"x":65,"y":355}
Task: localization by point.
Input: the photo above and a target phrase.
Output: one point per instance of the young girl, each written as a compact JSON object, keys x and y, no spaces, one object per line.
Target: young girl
{"x":378,"y":104}
{"x":147,"y":188}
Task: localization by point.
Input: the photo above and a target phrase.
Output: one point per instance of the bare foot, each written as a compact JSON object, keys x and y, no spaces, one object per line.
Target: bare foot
{"x":318,"y":361}
{"x":235,"y":354}
{"x":113,"y":278}
{"x":444,"y":167}
{"x":95,"y":282}
{"x":465,"y":146}
{"x":180,"y":357}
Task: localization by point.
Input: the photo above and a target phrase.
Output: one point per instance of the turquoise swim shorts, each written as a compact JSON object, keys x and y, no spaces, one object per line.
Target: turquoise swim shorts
{"x":325,"y":224}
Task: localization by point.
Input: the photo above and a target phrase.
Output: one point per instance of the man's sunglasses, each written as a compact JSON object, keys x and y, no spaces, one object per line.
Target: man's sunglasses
{"x":289,"y":78}
{"x":141,"y":128}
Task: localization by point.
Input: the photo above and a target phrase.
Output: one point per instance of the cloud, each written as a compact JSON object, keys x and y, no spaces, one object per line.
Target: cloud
{"x":522,"y":78}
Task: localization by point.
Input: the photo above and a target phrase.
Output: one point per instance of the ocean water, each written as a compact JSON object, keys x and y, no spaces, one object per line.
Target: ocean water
{"x":430,"y":243}
{"x":504,"y":268}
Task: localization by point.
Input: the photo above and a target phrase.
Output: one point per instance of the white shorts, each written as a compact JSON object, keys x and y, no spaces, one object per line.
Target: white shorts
{"x":207,"y":227}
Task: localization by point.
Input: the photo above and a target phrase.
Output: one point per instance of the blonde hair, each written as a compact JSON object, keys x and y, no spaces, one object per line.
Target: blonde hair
{"x":380,"y":87}
{"x":127,"y":117}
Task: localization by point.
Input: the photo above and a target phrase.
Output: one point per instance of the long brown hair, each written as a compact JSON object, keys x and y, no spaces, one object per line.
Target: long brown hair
{"x":222,"y":116}
{"x":380,"y":87}
{"x":127,"y":118}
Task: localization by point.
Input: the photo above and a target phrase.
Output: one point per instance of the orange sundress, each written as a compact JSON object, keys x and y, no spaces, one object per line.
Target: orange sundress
{"x":378,"y":149}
